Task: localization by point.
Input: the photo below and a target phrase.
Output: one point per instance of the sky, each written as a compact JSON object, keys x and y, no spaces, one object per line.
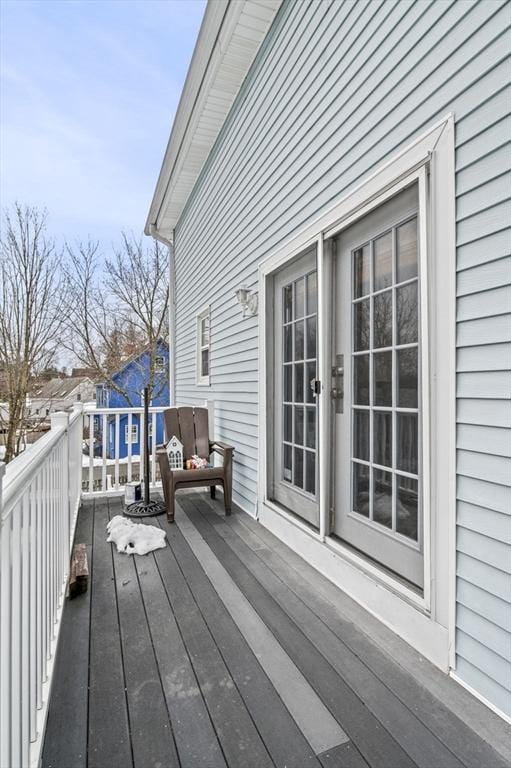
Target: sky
{"x":88,"y":92}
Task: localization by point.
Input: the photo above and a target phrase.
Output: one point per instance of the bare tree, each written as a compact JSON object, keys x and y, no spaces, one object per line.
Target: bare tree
{"x":117,"y":308}
{"x":31,"y":315}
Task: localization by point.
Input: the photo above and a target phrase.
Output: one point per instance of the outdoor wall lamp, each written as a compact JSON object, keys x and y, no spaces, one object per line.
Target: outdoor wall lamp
{"x":247,"y":299}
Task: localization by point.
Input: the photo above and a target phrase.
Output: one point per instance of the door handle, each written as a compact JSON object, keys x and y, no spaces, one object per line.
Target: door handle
{"x":337,"y":390}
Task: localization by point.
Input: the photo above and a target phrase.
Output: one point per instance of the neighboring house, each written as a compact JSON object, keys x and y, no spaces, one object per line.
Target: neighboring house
{"x":349,"y":163}
{"x":131,"y":379}
{"x":59,"y":394}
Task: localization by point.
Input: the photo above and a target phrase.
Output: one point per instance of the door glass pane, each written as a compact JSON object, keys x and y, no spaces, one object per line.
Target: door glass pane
{"x":382,"y":373}
{"x":288,"y":460}
{"x":311,"y":337}
{"x":288,"y":383}
{"x":407,"y":507}
{"x":361,"y":325}
{"x":361,"y":380}
{"x":382,"y":497}
{"x":310,"y":428}
{"x":288,"y":423}
{"x":382,"y":261}
{"x":310,"y":472}
{"x":312,"y":293}
{"x":288,"y":343}
{"x":361,"y":435}
{"x":382,"y":438}
{"x":382,"y":319}
{"x":407,"y":314}
{"x":407,"y":250}
{"x":407,"y":378}
{"x":299,"y":341}
{"x":407,"y":442}
{"x":288,"y":303}
{"x":298,"y":468}
{"x":298,"y":425}
{"x":361,"y":489}
{"x":299,"y":382}
{"x":310,"y":374}
{"x":300,"y":298}
{"x":361,"y":271}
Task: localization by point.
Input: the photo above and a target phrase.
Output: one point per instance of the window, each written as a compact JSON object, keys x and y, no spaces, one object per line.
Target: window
{"x":203,"y":347}
{"x":134,"y":434}
{"x":159,"y":364}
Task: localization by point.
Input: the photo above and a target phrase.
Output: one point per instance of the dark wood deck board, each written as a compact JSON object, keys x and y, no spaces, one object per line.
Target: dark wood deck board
{"x":168,"y":667}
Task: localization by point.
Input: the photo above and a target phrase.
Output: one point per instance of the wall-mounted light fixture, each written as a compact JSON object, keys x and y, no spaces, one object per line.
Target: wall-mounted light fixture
{"x":247,"y":299}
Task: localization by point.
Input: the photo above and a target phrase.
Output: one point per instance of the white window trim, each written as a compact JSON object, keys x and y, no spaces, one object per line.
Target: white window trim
{"x":428,"y":621}
{"x":202,"y":381}
{"x":134,"y":434}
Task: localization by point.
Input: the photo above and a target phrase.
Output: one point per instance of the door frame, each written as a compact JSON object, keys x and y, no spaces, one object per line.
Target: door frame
{"x":431,"y":153}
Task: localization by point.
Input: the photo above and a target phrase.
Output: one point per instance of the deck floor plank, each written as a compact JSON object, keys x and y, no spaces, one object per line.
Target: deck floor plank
{"x":109,"y":732}
{"x":282,"y":737}
{"x":161,"y":662}
{"x":151,"y":733}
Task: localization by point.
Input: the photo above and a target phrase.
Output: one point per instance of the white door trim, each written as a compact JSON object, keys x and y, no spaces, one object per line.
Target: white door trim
{"x":433,"y":150}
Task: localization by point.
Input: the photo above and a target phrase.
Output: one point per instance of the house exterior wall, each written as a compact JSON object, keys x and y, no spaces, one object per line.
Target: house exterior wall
{"x":337,"y":89}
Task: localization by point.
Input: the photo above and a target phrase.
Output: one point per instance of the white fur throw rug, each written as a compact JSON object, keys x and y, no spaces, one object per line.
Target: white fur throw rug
{"x":134,"y":538}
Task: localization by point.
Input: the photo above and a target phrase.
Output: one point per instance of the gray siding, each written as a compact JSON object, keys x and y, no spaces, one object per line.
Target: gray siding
{"x":336,"y":89}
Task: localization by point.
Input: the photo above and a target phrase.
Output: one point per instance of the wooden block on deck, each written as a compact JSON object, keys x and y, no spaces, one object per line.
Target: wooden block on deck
{"x":79,"y":576}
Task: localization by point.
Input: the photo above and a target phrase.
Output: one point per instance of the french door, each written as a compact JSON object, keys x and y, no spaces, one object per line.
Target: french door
{"x":294,"y":459}
{"x":376,"y":369}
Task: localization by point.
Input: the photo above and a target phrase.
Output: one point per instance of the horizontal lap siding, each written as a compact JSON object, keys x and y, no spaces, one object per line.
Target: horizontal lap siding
{"x":336,"y":89}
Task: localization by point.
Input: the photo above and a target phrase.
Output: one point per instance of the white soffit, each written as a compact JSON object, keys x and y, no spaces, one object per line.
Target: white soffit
{"x":229,"y":38}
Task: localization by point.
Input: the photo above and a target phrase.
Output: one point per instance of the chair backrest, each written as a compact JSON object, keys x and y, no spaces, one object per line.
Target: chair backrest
{"x":190,"y":426}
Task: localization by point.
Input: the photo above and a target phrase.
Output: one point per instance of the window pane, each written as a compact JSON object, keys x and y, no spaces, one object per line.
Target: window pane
{"x":310,"y":374}
{"x":311,"y":337}
{"x":382,"y":497}
{"x":288,"y":383}
{"x":361,"y":272}
{"x":361,"y":325}
{"x":298,"y":426}
{"x":288,"y":454}
{"x":382,"y":373}
{"x":361,"y":435}
{"x":288,"y":424}
{"x":310,"y":428}
{"x":288,"y":342}
{"x":310,"y":472}
{"x":407,"y":313}
{"x":298,"y":468}
{"x":299,"y":340}
{"x":407,"y":507}
{"x":204,"y":331}
{"x":312,"y":293}
{"x":299,"y":383}
{"x":382,"y":320}
{"x":300,"y":297}
{"x":205,"y":362}
{"x":382,"y":262}
{"x":288,"y":303}
{"x":407,"y":442}
{"x":361,"y":489}
{"x":361,"y":380}
{"x":382,"y":438}
{"x":407,"y":396}
{"x":407,"y":250}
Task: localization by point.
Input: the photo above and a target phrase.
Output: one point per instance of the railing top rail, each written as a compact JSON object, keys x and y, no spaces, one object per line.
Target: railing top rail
{"x":127,"y":409}
{"x":23,"y":467}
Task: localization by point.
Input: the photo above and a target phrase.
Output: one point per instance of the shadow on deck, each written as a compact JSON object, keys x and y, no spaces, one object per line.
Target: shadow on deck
{"x":226,"y":649}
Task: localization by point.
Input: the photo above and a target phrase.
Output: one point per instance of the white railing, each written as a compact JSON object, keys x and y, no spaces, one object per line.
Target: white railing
{"x":39,"y":500}
{"x":105,"y":430}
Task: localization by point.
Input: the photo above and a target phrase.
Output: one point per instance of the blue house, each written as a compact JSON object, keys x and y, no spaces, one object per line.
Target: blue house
{"x":131,"y":379}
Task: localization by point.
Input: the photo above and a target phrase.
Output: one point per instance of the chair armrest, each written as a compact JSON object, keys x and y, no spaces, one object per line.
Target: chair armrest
{"x":163,"y":460}
{"x":221,"y":448}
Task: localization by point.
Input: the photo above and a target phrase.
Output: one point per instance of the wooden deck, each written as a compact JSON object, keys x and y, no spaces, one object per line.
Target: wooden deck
{"x":227,"y":649}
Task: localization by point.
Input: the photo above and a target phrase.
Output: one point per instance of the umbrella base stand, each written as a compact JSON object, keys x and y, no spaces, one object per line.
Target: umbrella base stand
{"x":145,"y":509}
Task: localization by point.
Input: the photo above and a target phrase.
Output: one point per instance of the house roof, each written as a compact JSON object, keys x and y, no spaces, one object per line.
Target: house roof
{"x":229,"y":38}
{"x":60,"y":388}
{"x":160,"y":342}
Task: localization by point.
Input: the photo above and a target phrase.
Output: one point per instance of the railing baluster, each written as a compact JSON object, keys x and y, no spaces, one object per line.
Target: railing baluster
{"x":104,"y":439}
{"x":16,"y":639}
{"x":153,"y":448}
{"x":25,"y":627}
{"x":117,"y":449}
{"x":91,"y":453}
{"x":130,"y":424}
{"x":5,"y":632}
